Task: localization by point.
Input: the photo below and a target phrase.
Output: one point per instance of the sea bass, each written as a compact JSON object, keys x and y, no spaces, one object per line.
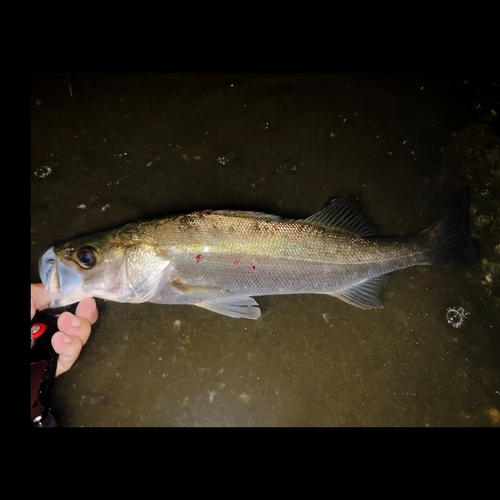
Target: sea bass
{"x":220,"y":259}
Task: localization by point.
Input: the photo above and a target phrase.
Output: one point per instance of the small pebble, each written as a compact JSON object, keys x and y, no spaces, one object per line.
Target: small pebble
{"x":244,"y":397}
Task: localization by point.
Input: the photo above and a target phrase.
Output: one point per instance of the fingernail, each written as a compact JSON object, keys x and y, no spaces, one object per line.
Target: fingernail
{"x":74,"y":321}
{"x":66,"y":339}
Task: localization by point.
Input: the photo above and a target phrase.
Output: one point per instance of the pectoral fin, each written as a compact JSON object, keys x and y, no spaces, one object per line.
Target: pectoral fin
{"x":201,"y":292}
{"x":220,"y":301}
{"x":235,"y":307}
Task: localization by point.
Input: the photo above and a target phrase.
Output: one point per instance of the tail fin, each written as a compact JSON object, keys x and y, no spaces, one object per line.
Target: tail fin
{"x":453,"y":246}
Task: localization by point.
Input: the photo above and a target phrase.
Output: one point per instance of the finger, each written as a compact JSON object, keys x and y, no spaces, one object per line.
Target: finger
{"x":87,"y":309}
{"x":68,"y":347}
{"x":74,"y":325}
{"x":39,"y":298}
{"x":75,"y":331}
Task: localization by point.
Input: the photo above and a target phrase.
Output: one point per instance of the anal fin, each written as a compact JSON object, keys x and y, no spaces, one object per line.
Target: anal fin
{"x":366,"y":294}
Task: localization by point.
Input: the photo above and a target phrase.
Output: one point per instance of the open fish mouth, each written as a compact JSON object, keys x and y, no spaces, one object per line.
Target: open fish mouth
{"x":62,"y":283}
{"x":47,"y":268}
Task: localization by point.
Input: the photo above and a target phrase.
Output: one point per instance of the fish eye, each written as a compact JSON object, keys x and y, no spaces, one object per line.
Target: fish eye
{"x":87,"y":257}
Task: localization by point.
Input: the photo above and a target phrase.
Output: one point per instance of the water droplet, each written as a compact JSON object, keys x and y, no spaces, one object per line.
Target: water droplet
{"x":253,"y":185}
{"x":478,"y":105}
{"x":455,"y":316}
{"x":82,"y":206}
{"x":484,"y":193}
{"x":105,"y":207}
{"x":482,"y":221}
{"x":279,"y":170}
{"x":293,"y":167}
{"x":266,"y":125}
{"x":43,"y":171}
{"x":222,"y":160}
{"x":332,"y":134}
{"x":389,"y":153}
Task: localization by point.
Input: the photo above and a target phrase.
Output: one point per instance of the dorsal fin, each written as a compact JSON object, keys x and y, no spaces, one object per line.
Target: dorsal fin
{"x":342,"y":213}
{"x":244,"y":213}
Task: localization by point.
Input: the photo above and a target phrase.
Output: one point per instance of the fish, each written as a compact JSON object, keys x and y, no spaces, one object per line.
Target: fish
{"x":220,"y":260}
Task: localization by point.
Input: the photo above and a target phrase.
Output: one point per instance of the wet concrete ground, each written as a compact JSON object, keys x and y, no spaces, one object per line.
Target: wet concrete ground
{"x":125,"y":147}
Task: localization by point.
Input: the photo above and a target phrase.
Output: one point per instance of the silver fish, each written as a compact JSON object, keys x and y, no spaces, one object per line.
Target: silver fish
{"x":220,"y":259}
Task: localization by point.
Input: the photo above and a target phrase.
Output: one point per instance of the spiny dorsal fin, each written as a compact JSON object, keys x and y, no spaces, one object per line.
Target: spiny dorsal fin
{"x":244,"y":213}
{"x":342,"y":213}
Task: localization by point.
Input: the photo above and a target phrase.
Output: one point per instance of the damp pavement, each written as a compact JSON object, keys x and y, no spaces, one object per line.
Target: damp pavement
{"x":107,"y":149}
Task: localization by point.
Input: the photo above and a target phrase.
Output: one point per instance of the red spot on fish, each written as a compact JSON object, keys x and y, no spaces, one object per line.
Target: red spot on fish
{"x":206,"y":214}
{"x":236,"y":262}
{"x":359,"y":260}
{"x":253,"y":267}
{"x":198,"y":258}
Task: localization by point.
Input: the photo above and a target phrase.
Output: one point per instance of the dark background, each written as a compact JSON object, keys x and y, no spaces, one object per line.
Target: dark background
{"x":132,"y":146}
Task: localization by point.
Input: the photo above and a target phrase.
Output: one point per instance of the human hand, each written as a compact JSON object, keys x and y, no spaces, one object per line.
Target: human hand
{"x":74,"y":328}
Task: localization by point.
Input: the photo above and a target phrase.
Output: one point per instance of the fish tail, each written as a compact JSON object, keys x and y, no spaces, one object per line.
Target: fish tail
{"x":452,"y":246}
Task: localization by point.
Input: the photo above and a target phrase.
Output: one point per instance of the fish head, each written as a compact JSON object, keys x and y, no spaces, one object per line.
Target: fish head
{"x":110,"y":265}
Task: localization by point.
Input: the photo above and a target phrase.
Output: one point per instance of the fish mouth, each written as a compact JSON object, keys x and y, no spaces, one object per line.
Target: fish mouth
{"x":62,"y":283}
